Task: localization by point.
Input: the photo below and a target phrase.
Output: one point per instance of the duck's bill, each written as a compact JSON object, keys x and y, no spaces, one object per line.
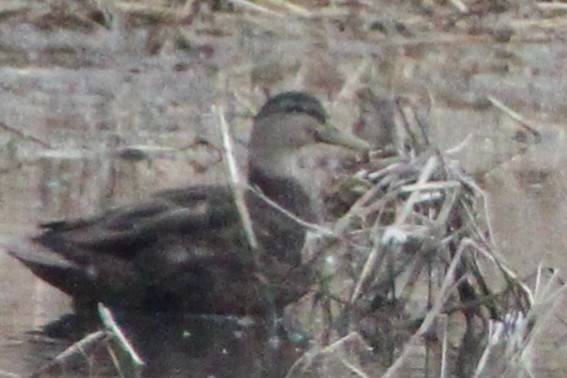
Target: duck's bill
{"x":332,"y":135}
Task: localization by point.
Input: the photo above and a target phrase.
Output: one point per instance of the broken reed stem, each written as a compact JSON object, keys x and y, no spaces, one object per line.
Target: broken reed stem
{"x":424,"y":176}
{"x":354,"y":369}
{"x":238,"y":185}
{"x":495,"y":331}
{"x":79,"y":348}
{"x":308,"y":225}
{"x":515,"y":116}
{"x":440,"y":299}
{"x":256,"y":7}
{"x":111,"y":325}
{"x":366,"y":271}
{"x":444,"y":320}
{"x":344,"y":222}
{"x":295,"y":9}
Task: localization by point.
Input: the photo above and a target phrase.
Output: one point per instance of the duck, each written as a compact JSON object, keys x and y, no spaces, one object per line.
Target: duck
{"x":186,"y":249}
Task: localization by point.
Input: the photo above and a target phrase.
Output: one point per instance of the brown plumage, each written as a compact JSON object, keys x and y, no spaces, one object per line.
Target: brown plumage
{"x":186,"y":248}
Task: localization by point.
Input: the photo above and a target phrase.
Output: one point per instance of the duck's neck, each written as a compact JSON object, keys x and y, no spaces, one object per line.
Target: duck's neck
{"x":286,"y":191}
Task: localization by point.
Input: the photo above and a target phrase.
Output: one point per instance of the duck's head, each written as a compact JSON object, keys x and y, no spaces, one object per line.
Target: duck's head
{"x":287,"y":123}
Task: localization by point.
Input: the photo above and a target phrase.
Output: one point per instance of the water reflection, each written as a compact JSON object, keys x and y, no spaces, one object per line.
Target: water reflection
{"x":212,"y":346}
{"x":173,"y":344}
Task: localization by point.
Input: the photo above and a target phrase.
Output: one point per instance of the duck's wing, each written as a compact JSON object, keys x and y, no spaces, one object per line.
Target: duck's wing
{"x":123,"y":231}
{"x":135,"y":246}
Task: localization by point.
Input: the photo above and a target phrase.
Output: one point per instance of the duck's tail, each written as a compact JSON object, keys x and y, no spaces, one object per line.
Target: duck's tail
{"x":48,"y":265}
{"x":32,"y":253}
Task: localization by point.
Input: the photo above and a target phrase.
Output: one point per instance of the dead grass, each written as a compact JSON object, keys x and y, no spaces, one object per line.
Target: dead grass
{"x":415,"y":266}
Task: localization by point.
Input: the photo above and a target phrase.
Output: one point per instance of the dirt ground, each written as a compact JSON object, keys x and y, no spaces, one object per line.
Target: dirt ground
{"x":83,"y":82}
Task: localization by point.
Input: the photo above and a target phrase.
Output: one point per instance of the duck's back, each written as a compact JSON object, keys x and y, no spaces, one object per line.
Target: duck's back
{"x":184,"y":248}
